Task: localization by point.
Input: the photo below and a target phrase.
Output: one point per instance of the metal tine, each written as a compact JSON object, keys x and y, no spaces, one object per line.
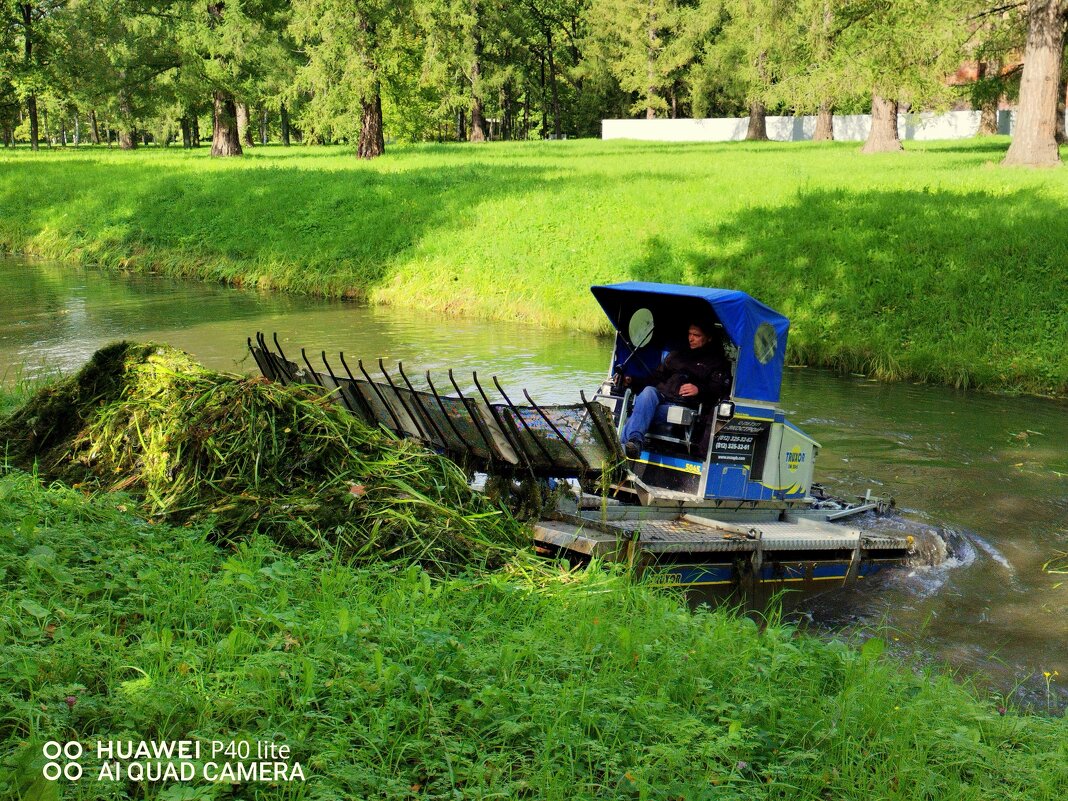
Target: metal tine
{"x":263,"y":361}
{"x":448,"y":419}
{"x":285,"y":359}
{"x":474,"y":417}
{"x":285,"y":362}
{"x":522,"y":420}
{"x":381,"y":397}
{"x":514,"y":441}
{"x":419,"y":401}
{"x":340,"y":389}
{"x":314,"y":375}
{"x":608,"y":439}
{"x":365,"y":407}
{"x":252,"y":351}
{"x":278,"y":345}
{"x":281,"y":375}
{"x":583,"y":464}
{"x":400,"y":398}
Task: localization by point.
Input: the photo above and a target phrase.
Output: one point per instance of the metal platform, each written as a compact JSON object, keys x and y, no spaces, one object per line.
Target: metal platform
{"x":696,"y":535}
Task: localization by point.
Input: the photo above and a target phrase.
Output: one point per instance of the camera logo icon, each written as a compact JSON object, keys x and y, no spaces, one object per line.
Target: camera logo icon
{"x":70,"y":768}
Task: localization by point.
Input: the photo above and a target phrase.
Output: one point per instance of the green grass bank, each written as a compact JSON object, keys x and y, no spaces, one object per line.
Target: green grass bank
{"x":390,"y":683}
{"x":931,"y":265}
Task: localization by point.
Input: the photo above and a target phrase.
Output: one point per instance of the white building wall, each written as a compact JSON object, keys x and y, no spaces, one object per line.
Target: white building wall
{"x":924,"y":126}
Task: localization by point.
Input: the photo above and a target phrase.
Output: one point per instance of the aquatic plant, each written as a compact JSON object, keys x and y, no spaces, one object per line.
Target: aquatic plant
{"x":250,"y":455}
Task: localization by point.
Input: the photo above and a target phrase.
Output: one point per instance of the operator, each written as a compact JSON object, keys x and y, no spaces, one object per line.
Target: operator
{"x":691,"y":377}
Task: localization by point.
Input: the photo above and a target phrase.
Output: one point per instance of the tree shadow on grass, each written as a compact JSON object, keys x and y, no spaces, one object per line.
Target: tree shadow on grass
{"x":960,"y":287}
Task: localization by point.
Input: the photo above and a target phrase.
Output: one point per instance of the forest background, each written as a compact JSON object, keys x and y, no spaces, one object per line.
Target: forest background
{"x":368,"y":72}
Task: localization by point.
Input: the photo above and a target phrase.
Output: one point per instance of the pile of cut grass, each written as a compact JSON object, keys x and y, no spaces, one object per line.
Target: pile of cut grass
{"x":250,"y":455}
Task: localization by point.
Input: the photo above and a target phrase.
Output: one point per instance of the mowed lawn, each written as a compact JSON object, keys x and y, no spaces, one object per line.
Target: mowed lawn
{"x":934,"y":264}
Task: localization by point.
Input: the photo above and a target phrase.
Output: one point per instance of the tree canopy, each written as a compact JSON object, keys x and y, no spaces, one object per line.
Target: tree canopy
{"x":369,"y":71}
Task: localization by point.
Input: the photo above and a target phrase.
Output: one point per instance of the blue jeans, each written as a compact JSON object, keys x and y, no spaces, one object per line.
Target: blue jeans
{"x":646,"y":410}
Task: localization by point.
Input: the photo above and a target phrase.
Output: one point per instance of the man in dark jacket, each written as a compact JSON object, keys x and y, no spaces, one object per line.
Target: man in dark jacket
{"x":695,"y":376}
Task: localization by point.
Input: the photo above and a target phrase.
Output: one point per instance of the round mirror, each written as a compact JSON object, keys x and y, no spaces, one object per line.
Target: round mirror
{"x":765,"y":341}
{"x":640,"y":328}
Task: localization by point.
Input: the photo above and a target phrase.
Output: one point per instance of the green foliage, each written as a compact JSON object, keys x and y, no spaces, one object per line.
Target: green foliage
{"x":933,"y":267}
{"x":251,"y":455}
{"x":900,"y":49}
{"x":640,"y":43}
{"x":390,"y":683}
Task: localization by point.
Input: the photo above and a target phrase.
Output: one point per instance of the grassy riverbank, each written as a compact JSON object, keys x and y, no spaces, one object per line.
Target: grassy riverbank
{"x":387,"y":681}
{"x":931,"y":265}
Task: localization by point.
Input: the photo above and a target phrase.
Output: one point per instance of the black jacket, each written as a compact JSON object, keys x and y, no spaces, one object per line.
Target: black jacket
{"x":706,"y":367}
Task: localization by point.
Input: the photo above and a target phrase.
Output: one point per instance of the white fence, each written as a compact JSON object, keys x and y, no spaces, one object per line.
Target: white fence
{"x":926,"y":125}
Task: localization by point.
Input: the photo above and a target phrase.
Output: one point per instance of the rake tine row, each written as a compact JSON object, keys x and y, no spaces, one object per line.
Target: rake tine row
{"x":529,"y":448}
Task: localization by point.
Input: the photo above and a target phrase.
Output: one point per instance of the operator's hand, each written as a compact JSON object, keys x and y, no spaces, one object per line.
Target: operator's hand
{"x":688,"y":391}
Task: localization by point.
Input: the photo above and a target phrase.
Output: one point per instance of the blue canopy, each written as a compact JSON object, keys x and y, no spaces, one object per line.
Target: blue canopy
{"x":757,"y":331}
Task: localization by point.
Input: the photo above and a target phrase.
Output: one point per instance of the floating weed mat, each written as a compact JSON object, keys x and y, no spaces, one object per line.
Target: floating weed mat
{"x":251,"y":455}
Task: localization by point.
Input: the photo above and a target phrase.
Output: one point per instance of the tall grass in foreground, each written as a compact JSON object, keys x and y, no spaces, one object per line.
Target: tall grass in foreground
{"x":931,"y":265}
{"x":388,"y":683}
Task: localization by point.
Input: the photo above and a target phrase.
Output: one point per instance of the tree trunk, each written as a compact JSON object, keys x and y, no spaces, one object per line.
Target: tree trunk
{"x":650,"y":73}
{"x":31,"y":111}
{"x":988,"y":105}
{"x":1062,"y":137}
{"x":224,"y":138}
{"x":506,"y":111}
{"x":758,"y":128}
{"x":824,"y":123}
{"x":244,"y":130}
{"x":44,"y":124}
{"x":128,"y":134}
{"x":284,"y":116}
{"x":882,"y":138}
{"x":477,"y":132}
{"x":557,"y":130}
{"x":77,"y":129}
{"x":194,"y":124}
{"x":1034,"y":142}
{"x":988,"y":118}
{"x":27,"y":60}
{"x":372,"y":138}
{"x":544,"y":102}
{"x":94,"y":127}
{"x":478,"y":119}
{"x":62,"y":131}
{"x":263,"y":127}
{"x":187,"y":135}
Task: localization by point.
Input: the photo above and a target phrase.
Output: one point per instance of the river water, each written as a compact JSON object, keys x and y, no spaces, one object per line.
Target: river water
{"x":993,"y":470}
